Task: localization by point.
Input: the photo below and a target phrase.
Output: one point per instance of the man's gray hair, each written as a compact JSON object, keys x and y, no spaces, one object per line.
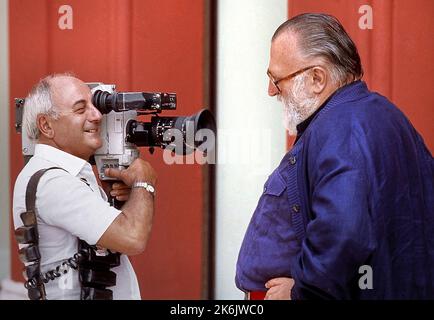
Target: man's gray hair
{"x":39,"y":101}
{"x":321,"y":35}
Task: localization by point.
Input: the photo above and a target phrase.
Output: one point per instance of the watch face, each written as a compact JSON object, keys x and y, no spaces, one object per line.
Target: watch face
{"x":151,"y":188}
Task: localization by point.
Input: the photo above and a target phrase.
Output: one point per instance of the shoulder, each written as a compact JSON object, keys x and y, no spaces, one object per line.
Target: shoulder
{"x":23,"y":178}
{"x":362,"y":119}
{"x":50,"y":175}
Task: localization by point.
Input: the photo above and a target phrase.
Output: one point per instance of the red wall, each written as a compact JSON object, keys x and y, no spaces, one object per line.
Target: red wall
{"x":397,"y":53}
{"x":139,"y":45}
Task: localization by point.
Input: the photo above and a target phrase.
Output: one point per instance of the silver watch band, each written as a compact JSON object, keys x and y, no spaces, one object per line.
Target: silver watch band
{"x":145,"y":185}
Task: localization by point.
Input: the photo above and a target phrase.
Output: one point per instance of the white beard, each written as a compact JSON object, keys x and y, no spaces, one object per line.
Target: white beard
{"x":298,"y":106}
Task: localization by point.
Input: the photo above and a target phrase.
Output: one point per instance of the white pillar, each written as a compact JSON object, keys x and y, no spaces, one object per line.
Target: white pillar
{"x":251,"y":137}
{"x":4,"y":141}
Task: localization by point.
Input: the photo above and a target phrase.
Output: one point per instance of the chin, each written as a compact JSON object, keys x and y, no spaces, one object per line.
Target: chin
{"x":95,"y":144}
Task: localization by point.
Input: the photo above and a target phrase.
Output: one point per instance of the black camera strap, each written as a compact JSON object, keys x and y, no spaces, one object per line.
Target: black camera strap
{"x":94,"y":267}
{"x":28,"y":234}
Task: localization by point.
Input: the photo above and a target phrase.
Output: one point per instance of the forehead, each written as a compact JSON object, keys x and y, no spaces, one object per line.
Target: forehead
{"x":284,"y":53}
{"x":65,"y":91}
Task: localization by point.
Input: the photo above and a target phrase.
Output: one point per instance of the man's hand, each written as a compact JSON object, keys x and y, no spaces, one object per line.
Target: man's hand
{"x":279,"y":289}
{"x":139,"y":170}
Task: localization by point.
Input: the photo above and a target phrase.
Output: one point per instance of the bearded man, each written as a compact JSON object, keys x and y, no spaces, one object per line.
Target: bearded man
{"x":349,"y":212}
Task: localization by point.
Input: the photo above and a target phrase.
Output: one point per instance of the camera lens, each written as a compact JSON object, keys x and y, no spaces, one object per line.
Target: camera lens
{"x":188,"y":128}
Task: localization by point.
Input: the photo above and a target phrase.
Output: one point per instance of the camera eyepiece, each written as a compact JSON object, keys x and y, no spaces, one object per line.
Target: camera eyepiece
{"x":102,"y":100}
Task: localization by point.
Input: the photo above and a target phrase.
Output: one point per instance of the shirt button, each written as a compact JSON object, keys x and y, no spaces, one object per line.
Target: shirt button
{"x":292,"y":160}
{"x":296,"y":208}
{"x":265,"y":189}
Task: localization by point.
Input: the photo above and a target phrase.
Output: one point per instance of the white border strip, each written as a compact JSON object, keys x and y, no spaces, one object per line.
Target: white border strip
{"x":254,"y":137}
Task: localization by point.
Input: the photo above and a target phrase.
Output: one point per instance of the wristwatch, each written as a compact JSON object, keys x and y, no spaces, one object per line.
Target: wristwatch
{"x":147,"y":186}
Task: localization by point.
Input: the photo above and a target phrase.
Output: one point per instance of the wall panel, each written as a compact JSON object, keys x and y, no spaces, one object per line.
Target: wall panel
{"x":141,"y":46}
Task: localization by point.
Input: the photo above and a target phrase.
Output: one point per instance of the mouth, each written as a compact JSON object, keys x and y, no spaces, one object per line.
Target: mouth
{"x":91,"y":131}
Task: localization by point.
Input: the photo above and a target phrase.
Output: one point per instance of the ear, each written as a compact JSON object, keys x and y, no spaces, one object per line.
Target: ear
{"x":319,"y":79}
{"x":45,"y":125}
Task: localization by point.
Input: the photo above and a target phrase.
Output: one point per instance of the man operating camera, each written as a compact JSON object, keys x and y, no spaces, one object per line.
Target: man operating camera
{"x":70,"y":205}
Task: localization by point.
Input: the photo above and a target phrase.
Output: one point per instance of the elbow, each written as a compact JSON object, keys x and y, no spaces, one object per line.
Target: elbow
{"x":135,"y":248}
{"x":137,"y":244}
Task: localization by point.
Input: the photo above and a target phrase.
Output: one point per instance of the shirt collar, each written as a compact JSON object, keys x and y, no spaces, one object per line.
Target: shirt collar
{"x":65,"y":160}
{"x":301,"y":127}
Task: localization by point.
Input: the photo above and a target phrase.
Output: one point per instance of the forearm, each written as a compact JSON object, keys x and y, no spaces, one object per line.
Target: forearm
{"x":130,"y":231}
{"x":138,"y":212}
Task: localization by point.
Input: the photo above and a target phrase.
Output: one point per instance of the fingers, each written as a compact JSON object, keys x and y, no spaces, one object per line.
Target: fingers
{"x":277,"y":281}
{"x":272,"y":283}
{"x":279,"y":292}
{"x":121,"y":193}
{"x":113,"y":173}
{"x":120,"y":186}
{"x":271,"y":293}
{"x":123,"y":198}
{"x":279,"y":288}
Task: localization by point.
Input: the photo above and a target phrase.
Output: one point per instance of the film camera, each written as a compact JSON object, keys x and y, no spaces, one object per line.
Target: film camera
{"x":122,"y":133}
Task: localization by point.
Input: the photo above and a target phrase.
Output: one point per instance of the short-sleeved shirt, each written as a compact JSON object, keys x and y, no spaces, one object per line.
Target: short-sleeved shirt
{"x":70,"y":205}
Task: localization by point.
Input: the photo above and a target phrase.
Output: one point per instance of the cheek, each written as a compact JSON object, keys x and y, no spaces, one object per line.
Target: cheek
{"x":65,"y":130}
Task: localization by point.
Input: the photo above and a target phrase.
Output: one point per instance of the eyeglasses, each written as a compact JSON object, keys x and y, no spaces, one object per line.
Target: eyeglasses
{"x":288,"y":77}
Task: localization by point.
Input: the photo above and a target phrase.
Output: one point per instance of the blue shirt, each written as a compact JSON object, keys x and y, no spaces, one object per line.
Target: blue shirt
{"x":356,"y":190}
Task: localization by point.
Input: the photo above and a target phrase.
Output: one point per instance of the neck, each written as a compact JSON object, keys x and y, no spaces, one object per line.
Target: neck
{"x":328,"y":91}
{"x":53,"y":144}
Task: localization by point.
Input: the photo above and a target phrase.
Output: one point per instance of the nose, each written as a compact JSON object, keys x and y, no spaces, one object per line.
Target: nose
{"x":95,"y":115}
{"x":272,"y":90}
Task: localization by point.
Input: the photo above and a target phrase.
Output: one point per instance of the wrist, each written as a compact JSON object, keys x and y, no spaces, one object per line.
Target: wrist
{"x":144,"y":185}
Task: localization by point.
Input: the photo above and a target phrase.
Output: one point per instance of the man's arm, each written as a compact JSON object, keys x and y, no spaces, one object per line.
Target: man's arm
{"x":130,"y":231}
{"x":340,"y":237}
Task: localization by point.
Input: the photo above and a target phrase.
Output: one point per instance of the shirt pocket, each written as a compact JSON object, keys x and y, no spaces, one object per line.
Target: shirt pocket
{"x":275,"y":185}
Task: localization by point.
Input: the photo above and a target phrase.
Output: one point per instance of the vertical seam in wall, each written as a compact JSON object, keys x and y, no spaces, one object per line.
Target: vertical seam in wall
{"x":130,"y":44}
{"x":371,"y":44}
{"x":209,"y":171}
{"x":392,"y":31}
{"x":49,"y":40}
{"x":4,"y":131}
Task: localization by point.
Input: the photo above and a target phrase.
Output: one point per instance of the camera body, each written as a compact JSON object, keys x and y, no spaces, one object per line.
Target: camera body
{"x":116,"y":151}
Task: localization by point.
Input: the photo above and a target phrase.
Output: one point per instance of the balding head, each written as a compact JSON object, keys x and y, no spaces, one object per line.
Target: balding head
{"x":39,"y":101}
{"x":59,"y":112}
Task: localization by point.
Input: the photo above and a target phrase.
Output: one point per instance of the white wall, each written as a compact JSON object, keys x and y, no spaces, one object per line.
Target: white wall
{"x":251,"y":138}
{"x":4,"y":142}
